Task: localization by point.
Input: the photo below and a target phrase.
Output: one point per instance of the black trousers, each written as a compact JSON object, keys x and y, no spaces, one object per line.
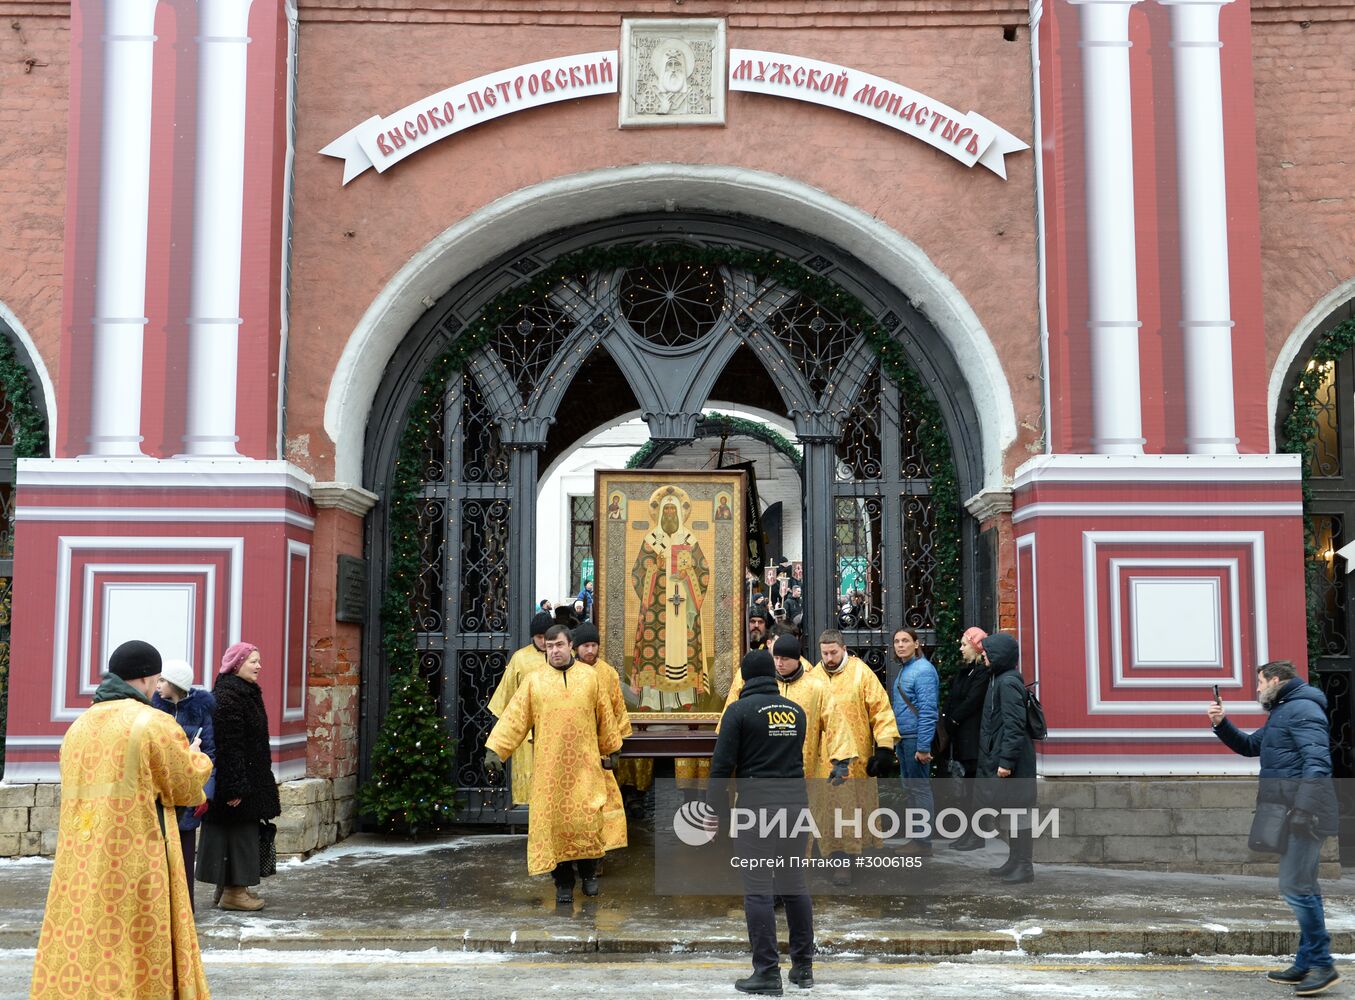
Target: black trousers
{"x":188,"y":842}
{"x":761,"y":887}
{"x":564,"y":871}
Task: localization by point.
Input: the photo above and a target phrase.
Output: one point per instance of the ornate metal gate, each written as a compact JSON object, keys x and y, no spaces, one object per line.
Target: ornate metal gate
{"x":674,"y":327}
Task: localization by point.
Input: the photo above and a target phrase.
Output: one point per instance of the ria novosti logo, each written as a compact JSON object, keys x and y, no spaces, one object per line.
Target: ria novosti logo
{"x":689,"y":823}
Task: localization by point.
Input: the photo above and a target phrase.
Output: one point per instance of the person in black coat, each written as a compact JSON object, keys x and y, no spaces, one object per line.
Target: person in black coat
{"x":246,"y":791}
{"x":762,"y":736}
{"x":961,"y":716}
{"x":1006,"y":772}
{"x":1295,"y":750}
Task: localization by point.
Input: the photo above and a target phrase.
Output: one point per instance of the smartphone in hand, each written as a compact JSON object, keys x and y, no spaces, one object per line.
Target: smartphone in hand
{"x":1217,"y":699}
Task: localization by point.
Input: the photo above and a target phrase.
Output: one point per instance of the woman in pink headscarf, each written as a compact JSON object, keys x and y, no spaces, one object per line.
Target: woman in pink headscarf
{"x":961,"y":717}
{"x":246,"y":793}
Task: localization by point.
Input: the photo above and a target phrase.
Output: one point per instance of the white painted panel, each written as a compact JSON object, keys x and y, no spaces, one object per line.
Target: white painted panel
{"x":1176,"y":621}
{"x":158,"y":613}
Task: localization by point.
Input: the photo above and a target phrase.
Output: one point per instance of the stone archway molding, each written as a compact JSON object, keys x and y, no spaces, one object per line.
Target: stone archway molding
{"x":1299,"y":342}
{"x":595,"y":195}
{"x":34,"y":362}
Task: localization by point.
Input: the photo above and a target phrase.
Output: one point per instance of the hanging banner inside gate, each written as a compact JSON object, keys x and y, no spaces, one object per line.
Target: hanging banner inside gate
{"x":968,"y":137}
{"x":383,"y":142}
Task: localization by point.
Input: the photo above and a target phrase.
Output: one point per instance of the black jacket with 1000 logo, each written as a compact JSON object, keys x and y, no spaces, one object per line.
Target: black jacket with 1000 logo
{"x":762,"y":735}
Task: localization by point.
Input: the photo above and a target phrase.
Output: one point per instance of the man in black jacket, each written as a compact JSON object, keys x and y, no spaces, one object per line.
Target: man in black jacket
{"x":762,"y":737}
{"x":1295,"y":750}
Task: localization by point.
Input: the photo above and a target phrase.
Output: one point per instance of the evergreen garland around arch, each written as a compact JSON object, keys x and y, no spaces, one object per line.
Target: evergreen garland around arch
{"x":30,"y":441}
{"x":414,"y":800}
{"x":1298,"y":436}
{"x":728,"y":426}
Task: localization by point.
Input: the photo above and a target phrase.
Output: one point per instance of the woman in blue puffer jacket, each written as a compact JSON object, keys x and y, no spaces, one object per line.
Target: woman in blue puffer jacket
{"x":192,"y":709}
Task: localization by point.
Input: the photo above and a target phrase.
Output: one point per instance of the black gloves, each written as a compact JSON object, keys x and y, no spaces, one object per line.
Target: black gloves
{"x":493,"y":767}
{"x":883,"y":762}
{"x":839,"y":773}
{"x":612,"y":761}
{"x":1304,"y":824}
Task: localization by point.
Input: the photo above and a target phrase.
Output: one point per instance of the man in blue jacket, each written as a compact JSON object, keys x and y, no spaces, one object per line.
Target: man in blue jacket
{"x":915,"y":695}
{"x":1295,"y":750}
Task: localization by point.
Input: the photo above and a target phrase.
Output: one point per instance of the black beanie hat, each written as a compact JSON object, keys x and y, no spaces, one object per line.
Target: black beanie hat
{"x":1002,"y":650}
{"x":586,"y":632}
{"x":758,"y":663}
{"x":134,"y":659}
{"x":786,"y":645}
{"x":541,"y":621}
{"x":760,"y":612}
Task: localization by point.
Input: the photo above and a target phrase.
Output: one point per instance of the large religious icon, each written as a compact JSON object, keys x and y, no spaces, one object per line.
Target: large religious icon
{"x":669,"y":588}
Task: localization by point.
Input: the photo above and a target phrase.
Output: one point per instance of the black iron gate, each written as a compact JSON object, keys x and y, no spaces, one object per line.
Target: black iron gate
{"x":676,"y":331}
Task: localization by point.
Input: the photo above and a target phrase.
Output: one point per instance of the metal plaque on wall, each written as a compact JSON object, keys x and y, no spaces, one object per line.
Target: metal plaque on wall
{"x":350,"y":593}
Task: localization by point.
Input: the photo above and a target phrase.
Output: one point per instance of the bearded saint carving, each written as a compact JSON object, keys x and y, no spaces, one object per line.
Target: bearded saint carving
{"x":672,"y":62}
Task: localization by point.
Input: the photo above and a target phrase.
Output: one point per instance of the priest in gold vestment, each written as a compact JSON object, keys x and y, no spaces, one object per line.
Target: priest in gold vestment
{"x":526,"y":660}
{"x":566,"y":708}
{"x":118,"y":923}
{"x":862,"y":707}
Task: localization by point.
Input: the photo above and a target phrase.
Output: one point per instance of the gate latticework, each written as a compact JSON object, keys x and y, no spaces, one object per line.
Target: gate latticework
{"x":671,"y":322}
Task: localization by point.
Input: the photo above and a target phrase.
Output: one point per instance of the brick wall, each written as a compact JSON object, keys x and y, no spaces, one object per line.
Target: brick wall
{"x":1305,"y":79}
{"x":34,"y":95}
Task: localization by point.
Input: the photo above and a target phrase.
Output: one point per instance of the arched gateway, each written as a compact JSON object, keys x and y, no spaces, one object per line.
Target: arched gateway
{"x":659,"y":313}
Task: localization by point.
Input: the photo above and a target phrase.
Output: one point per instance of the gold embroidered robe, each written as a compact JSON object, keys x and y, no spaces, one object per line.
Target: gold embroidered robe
{"x":866,"y":718}
{"x":571,"y":717}
{"x":118,"y":924}
{"x":614,"y":814}
{"x":525,"y":661}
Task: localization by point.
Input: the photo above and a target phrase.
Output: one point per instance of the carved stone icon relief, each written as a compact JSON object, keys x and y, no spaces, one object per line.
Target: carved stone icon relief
{"x":672,"y":72}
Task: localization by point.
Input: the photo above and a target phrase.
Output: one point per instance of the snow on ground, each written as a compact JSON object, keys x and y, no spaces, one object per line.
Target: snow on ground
{"x":361,"y":956}
{"x":380,"y":850}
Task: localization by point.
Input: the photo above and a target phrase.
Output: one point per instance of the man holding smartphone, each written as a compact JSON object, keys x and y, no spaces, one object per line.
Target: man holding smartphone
{"x":1294,"y":747}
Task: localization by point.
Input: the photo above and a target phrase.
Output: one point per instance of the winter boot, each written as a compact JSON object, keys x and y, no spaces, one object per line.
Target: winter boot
{"x":1013,"y":859}
{"x":235,"y":898}
{"x":1291,"y":976}
{"x":802,"y":975}
{"x":564,"y":883}
{"x":1023,"y":845}
{"x":971,"y":841}
{"x":763,"y":983}
{"x":1318,"y":980}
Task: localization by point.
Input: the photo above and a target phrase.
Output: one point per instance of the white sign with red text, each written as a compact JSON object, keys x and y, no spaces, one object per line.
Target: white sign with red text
{"x":968,"y":137}
{"x":383,"y":142}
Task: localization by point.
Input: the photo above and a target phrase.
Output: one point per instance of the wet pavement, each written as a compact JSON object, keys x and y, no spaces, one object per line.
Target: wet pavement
{"x":472,"y":892}
{"x":429,"y":975}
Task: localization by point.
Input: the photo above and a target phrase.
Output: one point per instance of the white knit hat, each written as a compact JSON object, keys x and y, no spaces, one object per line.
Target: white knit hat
{"x":179,"y":673}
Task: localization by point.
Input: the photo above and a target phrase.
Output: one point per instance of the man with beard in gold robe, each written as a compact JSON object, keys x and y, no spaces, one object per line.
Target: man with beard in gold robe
{"x":863,"y":711}
{"x":587,"y":650}
{"x":529,"y":658}
{"x":571,"y":718}
{"x":118,"y":923}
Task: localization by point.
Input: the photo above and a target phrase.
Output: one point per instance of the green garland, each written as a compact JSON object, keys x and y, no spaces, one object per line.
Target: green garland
{"x":728,"y":427}
{"x":1298,"y":436}
{"x":30,"y":441}
{"x":30,"y":431}
{"x":399,"y":629}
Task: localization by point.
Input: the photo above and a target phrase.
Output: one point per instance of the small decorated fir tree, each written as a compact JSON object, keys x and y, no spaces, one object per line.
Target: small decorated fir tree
{"x":411,"y":788}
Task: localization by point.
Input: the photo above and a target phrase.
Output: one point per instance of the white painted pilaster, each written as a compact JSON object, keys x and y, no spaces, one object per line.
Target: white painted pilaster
{"x":218,"y":201}
{"x":119,"y":320}
{"x":1112,"y":276}
{"x":1206,"y":308}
